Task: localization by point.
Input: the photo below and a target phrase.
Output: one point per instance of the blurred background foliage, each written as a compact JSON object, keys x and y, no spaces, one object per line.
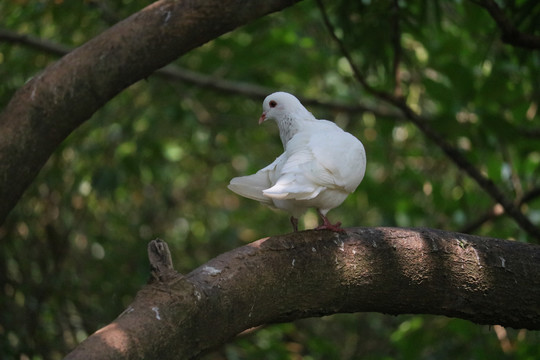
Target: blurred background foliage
{"x":155,"y":162}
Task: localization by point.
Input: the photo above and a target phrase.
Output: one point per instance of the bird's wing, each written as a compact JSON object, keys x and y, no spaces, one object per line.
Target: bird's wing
{"x":252,"y":186}
{"x":323,"y":158}
{"x":341,"y":155}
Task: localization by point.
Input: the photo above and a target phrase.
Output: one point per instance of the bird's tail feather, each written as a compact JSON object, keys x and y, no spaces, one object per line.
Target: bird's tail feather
{"x":293,"y":192}
{"x":252,"y":186}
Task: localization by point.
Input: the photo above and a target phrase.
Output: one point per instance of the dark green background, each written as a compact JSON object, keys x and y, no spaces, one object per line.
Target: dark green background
{"x":155,"y":162}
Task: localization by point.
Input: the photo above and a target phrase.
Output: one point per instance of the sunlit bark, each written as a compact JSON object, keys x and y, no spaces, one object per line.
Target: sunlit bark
{"x":315,"y":273}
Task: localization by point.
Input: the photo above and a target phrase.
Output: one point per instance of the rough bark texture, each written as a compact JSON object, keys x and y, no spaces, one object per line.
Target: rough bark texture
{"x":54,"y":103}
{"x":315,"y":273}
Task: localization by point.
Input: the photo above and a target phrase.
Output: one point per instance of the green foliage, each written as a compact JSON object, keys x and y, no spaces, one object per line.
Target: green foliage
{"x":155,"y":162}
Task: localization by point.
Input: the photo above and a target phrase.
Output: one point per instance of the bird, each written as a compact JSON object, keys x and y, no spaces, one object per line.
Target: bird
{"x":320,"y":166}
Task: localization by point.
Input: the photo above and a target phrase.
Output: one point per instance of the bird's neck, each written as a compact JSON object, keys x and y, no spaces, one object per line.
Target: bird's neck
{"x":291,"y":125}
{"x":288,"y":127}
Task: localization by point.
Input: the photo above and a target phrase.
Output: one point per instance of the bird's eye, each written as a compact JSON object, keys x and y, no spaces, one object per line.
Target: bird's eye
{"x":272,"y":104}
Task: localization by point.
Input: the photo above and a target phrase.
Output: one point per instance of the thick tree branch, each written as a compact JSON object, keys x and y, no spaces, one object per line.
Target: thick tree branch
{"x":50,"y":106}
{"x":316,"y":273}
{"x":423,"y":125}
{"x":510,"y":34}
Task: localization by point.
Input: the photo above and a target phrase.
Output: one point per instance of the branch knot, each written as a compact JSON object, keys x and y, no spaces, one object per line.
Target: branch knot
{"x":161,"y":265}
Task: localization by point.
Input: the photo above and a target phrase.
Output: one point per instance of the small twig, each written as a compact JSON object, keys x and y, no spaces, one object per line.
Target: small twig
{"x":533,"y":133}
{"x":515,"y":180}
{"x":35,"y":42}
{"x":396,"y":40}
{"x":356,"y":71}
{"x":494,"y":212}
{"x":423,"y":125}
{"x":474,"y":225}
{"x":107,"y":14}
{"x":510,"y":34}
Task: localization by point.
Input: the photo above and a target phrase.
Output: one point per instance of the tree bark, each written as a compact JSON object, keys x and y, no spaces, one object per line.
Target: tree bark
{"x":316,"y":273}
{"x":54,"y":103}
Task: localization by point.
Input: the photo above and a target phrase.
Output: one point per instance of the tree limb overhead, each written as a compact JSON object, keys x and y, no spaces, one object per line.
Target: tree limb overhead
{"x":54,"y":103}
{"x":180,"y":74}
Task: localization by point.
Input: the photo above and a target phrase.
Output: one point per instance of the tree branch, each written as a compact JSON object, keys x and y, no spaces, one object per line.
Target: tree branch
{"x":35,"y":42}
{"x":259,"y":92}
{"x":316,"y":273}
{"x":423,"y":125}
{"x":51,"y":105}
{"x":510,"y":34}
{"x":177,"y":73}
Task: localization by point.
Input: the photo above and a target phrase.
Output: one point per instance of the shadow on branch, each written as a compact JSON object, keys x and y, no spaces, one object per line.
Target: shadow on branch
{"x":316,"y":273}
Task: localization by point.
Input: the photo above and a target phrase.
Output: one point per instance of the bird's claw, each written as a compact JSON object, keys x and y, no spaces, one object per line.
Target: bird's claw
{"x":332,"y":227}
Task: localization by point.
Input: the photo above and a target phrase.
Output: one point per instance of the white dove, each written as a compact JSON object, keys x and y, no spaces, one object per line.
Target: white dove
{"x":321,"y":165}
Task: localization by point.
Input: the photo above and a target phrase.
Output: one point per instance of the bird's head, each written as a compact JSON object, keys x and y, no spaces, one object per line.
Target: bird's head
{"x":280,"y":105}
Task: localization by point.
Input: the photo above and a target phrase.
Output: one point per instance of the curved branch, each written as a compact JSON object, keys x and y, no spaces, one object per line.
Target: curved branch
{"x":316,"y":273}
{"x":423,"y":125}
{"x":54,"y":103}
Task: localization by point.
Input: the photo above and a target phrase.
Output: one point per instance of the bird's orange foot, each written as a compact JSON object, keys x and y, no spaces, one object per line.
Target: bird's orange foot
{"x":333,"y":227}
{"x":327,"y":225}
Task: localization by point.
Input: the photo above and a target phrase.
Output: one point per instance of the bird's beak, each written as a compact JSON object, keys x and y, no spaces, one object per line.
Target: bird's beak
{"x":262,"y":118}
